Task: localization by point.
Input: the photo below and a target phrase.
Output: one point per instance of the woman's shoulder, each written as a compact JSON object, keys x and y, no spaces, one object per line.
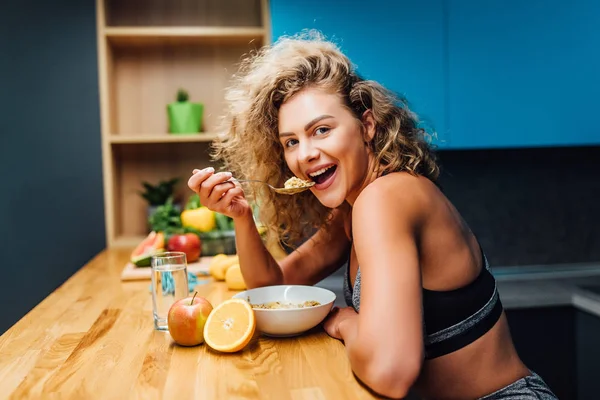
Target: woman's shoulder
{"x":402,"y":179}
{"x":401,"y":192}
{"x":401,"y":187}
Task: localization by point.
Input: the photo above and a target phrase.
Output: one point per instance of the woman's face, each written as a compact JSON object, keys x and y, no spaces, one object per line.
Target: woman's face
{"x":323,"y":142}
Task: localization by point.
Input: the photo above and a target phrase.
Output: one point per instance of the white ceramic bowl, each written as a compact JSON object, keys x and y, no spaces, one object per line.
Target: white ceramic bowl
{"x":284,"y":322}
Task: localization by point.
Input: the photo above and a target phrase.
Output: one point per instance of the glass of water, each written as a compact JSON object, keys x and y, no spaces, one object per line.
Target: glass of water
{"x":169,"y":284}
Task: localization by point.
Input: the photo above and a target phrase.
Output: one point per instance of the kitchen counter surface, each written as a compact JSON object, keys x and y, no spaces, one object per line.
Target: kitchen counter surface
{"x":93,"y":338}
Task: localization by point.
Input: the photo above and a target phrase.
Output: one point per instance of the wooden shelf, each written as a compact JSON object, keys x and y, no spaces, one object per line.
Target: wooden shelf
{"x":181,"y":34}
{"x":147,"y":51}
{"x":166,"y":138}
{"x":167,"y":13}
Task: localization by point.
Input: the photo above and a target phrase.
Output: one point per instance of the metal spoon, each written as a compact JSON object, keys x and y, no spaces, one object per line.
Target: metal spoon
{"x":282,"y":190}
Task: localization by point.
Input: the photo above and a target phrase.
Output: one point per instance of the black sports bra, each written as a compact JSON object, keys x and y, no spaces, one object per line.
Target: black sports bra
{"x":452,"y":319}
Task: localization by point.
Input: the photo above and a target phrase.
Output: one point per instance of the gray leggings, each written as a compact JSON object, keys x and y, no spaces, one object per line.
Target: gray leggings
{"x":531,"y":387}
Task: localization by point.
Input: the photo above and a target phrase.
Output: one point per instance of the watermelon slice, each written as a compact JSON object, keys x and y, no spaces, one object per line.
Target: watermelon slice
{"x":153,"y":244}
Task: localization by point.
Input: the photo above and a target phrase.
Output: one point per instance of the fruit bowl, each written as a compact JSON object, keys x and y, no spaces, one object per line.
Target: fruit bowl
{"x":285,"y":322}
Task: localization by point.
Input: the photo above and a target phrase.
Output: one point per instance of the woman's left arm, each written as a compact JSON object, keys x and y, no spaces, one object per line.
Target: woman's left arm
{"x":385,"y":340}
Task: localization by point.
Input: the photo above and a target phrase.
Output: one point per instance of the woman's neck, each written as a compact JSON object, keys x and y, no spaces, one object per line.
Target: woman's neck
{"x":370,"y":176}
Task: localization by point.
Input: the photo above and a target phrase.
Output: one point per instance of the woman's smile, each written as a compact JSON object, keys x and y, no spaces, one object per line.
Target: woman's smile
{"x":323,"y":176}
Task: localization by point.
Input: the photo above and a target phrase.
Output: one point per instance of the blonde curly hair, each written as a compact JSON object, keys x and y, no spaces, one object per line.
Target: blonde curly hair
{"x":249,"y":144}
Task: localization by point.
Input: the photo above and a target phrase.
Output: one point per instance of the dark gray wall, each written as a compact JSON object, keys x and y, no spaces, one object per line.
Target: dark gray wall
{"x":545,"y":339}
{"x":562,"y":345}
{"x":528,"y":206}
{"x":51,"y":206}
{"x":588,"y":355}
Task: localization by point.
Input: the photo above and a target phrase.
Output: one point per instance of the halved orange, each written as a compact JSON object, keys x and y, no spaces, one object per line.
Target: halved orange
{"x":230,"y":326}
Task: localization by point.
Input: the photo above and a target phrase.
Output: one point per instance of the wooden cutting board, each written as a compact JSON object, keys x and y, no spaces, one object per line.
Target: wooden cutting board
{"x":133,"y":273}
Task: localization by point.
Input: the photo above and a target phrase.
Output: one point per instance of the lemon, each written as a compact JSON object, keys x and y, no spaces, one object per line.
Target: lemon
{"x":220,"y":267}
{"x":201,"y":218}
{"x":215,"y":262}
{"x":234,"y":278}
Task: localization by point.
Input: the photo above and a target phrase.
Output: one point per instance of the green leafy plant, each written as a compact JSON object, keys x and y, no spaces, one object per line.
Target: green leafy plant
{"x":166,"y":218}
{"x":182,"y":96}
{"x":157,"y":195}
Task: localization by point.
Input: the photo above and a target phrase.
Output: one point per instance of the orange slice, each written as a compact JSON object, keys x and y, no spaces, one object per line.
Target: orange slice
{"x":230,"y":326}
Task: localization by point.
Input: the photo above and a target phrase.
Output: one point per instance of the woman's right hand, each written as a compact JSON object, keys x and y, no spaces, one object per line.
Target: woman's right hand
{"x":218,"y":193}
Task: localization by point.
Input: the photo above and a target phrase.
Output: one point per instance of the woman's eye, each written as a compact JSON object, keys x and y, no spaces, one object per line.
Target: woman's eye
{"x":290,"y":142}
{"x":322,"y":130}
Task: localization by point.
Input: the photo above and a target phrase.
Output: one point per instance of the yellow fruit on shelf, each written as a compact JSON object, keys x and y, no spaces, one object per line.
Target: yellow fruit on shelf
{"x":219,"y":267}
{"x":234,"y":278}
{"x":230,"y":326}
{"x":201,"y":218}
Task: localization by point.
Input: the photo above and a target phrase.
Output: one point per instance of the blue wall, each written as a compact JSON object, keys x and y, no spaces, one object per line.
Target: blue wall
{"x":51,"y":202}
{"x":499,"y":73}
{"x":523,"y":73}
{"x":369,"y":35}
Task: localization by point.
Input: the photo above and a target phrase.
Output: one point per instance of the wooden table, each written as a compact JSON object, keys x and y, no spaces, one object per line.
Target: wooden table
{"x":94,"y":338}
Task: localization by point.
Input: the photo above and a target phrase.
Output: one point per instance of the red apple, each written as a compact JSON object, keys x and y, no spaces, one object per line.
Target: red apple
{"x":186,"y":320}
{"x":188,"y":243}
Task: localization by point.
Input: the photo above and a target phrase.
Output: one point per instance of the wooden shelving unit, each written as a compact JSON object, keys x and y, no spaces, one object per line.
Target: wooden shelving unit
{"x":151,"y":36}
{"x":147,"y":50}
{"x":180,"y":138}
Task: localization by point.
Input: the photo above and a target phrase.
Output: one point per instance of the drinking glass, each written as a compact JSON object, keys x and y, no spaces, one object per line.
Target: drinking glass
{"x":169,"y":284}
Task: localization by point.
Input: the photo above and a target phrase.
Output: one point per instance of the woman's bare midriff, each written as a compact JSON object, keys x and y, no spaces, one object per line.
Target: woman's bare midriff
{"x":484,"y":366}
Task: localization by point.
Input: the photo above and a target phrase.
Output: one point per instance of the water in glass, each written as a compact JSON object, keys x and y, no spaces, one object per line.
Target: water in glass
{"x":169,"y":284}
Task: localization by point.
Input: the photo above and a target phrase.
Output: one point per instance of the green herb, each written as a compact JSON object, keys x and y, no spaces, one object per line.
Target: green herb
{"x":166,"y":218}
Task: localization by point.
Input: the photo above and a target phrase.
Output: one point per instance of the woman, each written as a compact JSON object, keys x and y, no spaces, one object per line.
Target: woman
{"x":423,"y":311}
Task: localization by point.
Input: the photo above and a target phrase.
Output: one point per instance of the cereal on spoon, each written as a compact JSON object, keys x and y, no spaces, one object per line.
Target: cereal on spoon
{"x":295,"y":183}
